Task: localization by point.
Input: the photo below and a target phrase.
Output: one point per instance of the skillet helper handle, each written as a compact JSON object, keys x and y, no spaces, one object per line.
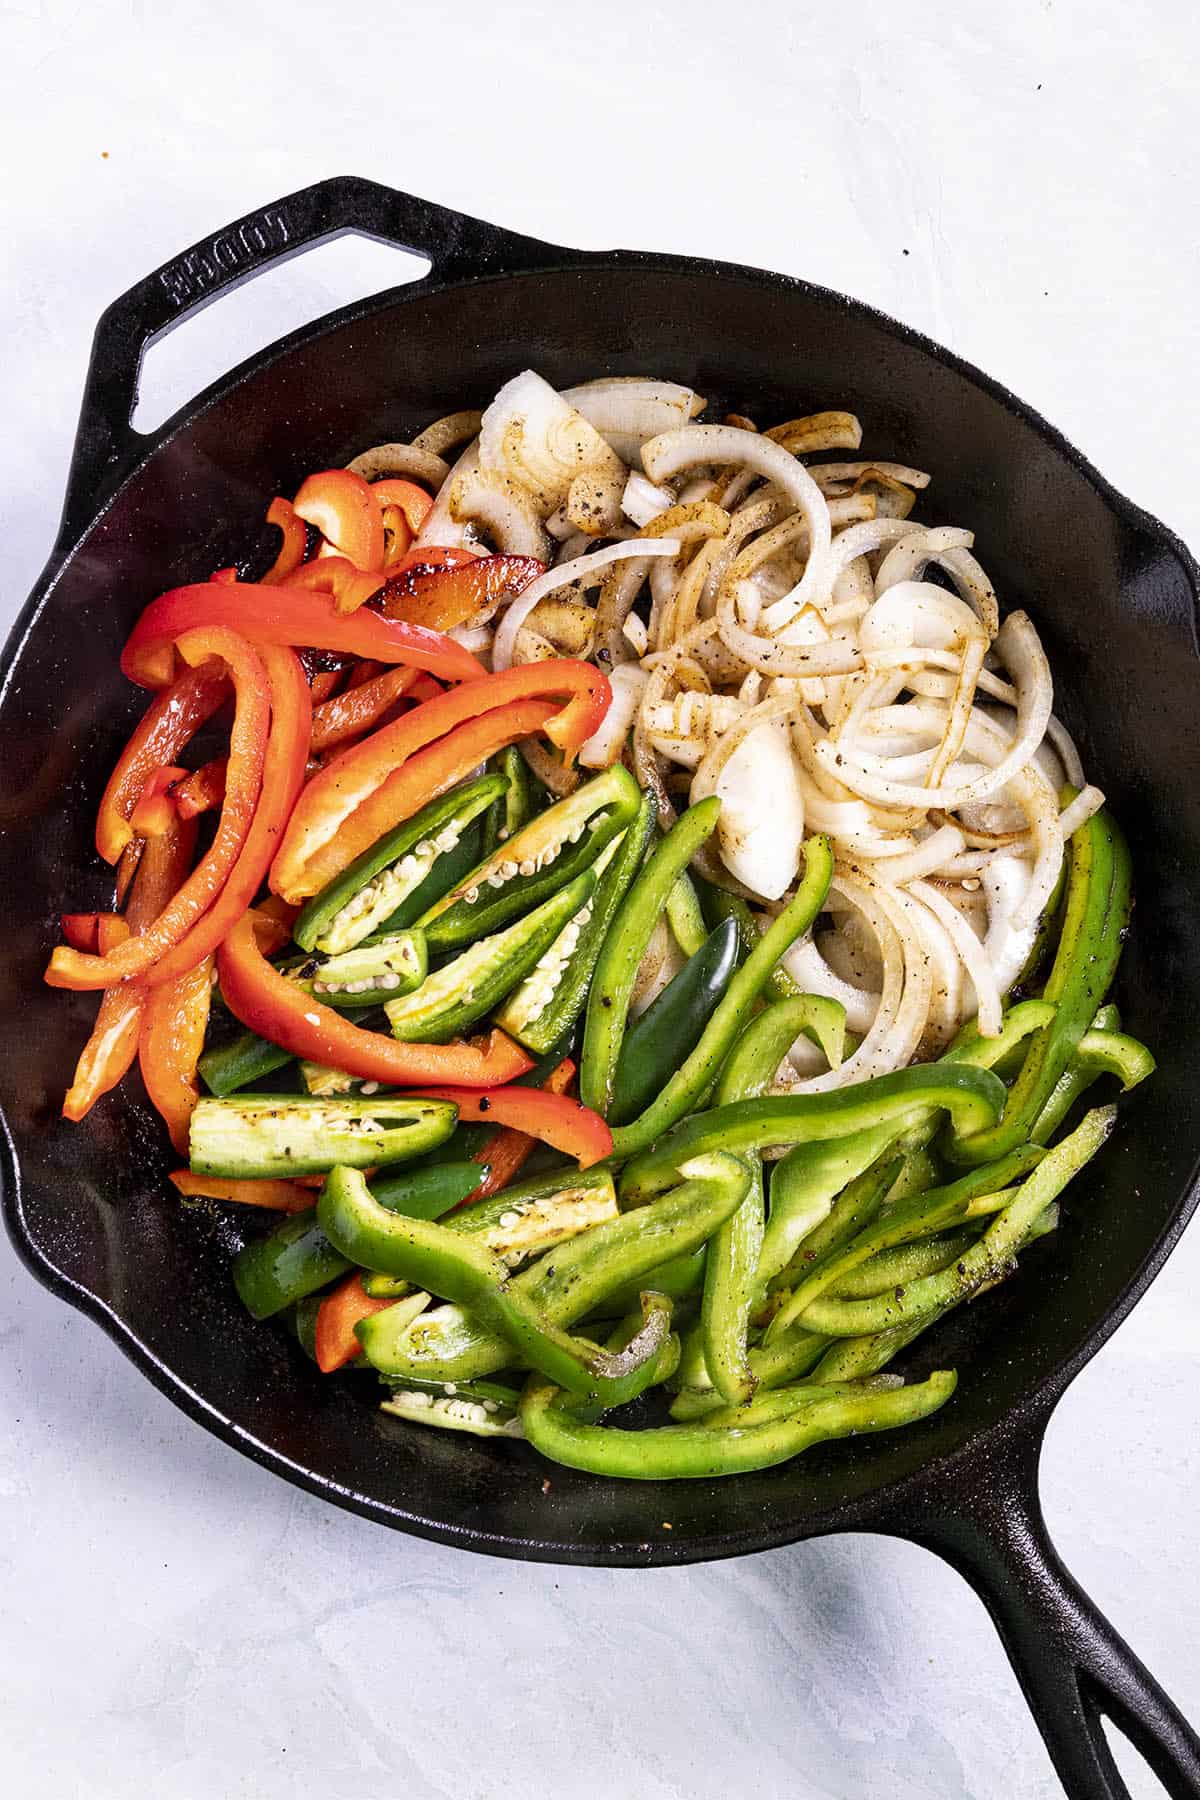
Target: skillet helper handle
{"x":1074,"y":1668}
{"x":107,"y":447}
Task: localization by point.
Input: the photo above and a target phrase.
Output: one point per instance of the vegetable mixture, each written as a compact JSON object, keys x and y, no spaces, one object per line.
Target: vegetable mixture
{"x":626,"y":901}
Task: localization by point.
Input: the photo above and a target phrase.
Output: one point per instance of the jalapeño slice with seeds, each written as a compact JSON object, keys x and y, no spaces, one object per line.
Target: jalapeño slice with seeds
{"x":463,"y":990}
{"x":538,"y":860}
{"x":369,"y":892}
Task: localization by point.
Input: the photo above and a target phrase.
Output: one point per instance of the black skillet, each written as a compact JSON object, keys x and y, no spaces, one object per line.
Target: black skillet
{"x":1115,"y":597}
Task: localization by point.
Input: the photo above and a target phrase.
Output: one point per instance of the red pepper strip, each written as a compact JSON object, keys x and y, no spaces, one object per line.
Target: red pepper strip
{"x":329,"y":573}
{"x":328,"y":829}
{"x":323,"y":684}
{"x":127,"y":867}
{"x":278,"y":615}
{"x":169,"y":723}
{"x":282,"y":779}
{"x":334,"y":1342}
{"x":277,"y":1009}
{"x":281,"y":512}
{"x":397,"y":537}
{"x":277,"y":1196}
{"x":227,"y":574}
{"x":413,"y":501}
{"x":363,"y":672}
{"x":426,"y":559}
{"x":247,"y":745}
{"x":110,"y":1050}
{"x":371,"y":780}
{"x":444,"y":598}
{"x":346,"y":511}
{"x":81,"y":930}
{"x":556,"y":1119}
{"x":155,"y":811}
{"x":174,"y":1020}
{"x":202,"y":791}
{"x":424,"y":688}
{"x":359,"y":709}
{"x":506,"y":1151}
{"x":111,"y":930}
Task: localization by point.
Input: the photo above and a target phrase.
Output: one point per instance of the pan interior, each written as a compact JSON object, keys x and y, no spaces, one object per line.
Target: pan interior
{"x":1109,"y":592}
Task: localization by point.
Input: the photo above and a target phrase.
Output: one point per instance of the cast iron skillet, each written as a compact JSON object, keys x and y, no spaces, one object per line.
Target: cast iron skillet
{"x":1114,"y":595}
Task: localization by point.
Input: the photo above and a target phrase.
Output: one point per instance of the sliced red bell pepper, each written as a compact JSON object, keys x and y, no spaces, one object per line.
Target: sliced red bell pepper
{"x":346,"y":511}
{"x":266,"y":1002}
{"x":203,"y":790}
{"x":247,"y":746}
{"x":170,"y":722}
{"x":282,"y":779}
{"x":413,"y":501}
{"x":427,"y":558}
{"x":276,"y":1196}
{"x":127,"y":865}
{"x":359,"y":709}
{"x":281,"y":512}
{"x":278,"y":615}
{"x":324,"y":683}
{"x":556,"y":1119}
{"x":364,"y":671}
{"x":155,"y":811}
{"x":334,"y":1342}
{"x":397,"y":537}
{"x":348,"y":586}
{"x":109,"y":1052}
{"x":323,"y":838}
{"x":444,"y":598}
{"x":373,"y":782}
{"x":82,"y":930}
{"x":174,"y":1020}
{"x":506,"y":1152}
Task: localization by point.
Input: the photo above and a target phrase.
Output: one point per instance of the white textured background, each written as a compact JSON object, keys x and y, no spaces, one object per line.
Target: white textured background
{"x":174,"y":1621}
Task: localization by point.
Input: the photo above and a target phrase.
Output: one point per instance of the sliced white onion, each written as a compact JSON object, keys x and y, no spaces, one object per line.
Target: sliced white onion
{"x":642,"y":501}
{"x":629,"y":410}
{"x":1005,"y":881}
{"x":1068,"y":755}
{"x":928,"y":858}
{"x":540,"y":441}
{"x":1087,"y":801}
{"x":500,"y":509}
{"x":439,"y":525}
{"x":585,"y":569}
{"x":972,"y":953}
{"x":813,"y":975}
{"x":664,"y":456}
{"x":850,"y":471}
{"x":604,"y":747}
{"x":761,"y":826}
{"x":400,"y":459}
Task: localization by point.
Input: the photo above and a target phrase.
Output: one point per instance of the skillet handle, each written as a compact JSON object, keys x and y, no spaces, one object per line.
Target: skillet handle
{"x":1072,"y":1665}
{"x":107,"y":447}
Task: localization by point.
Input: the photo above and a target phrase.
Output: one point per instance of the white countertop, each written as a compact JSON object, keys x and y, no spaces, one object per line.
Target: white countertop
{"x":1018,"y":181}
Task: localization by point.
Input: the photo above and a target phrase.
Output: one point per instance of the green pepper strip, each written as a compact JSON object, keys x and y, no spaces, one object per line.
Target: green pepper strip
{"x":820,"y":1171}
{"x":717,"y":905}
{"x":515,"y":806}
{"x":1094,"y":920}
{"x":697,"y":1451}
{"x":570,"y":1281}
{"x":685,"y":917}
{"x":969,"y":1094}
{"x":458,"y":1268}
{"x":732,"y":1260}
{"x":772,"y":1365}
{"x":766,"y":1040}
{"x":625,"y":945}
{"x":850,"y":1358}
{"x":561,"y":1012}
{"x":288,"y":1264}
{"x":988,"y":1260}
{"x":673,"y":1024}
{"x":1100,"y":1052}
{"x":235,"y":1065}
{"x":918,"y":1216}
{"x":678,"y":1279}
{"x":691,"y":1084}
{"x":454,"y":811}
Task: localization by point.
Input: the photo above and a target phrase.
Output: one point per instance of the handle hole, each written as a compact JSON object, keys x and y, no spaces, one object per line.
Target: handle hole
{"x":180,"y":363}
